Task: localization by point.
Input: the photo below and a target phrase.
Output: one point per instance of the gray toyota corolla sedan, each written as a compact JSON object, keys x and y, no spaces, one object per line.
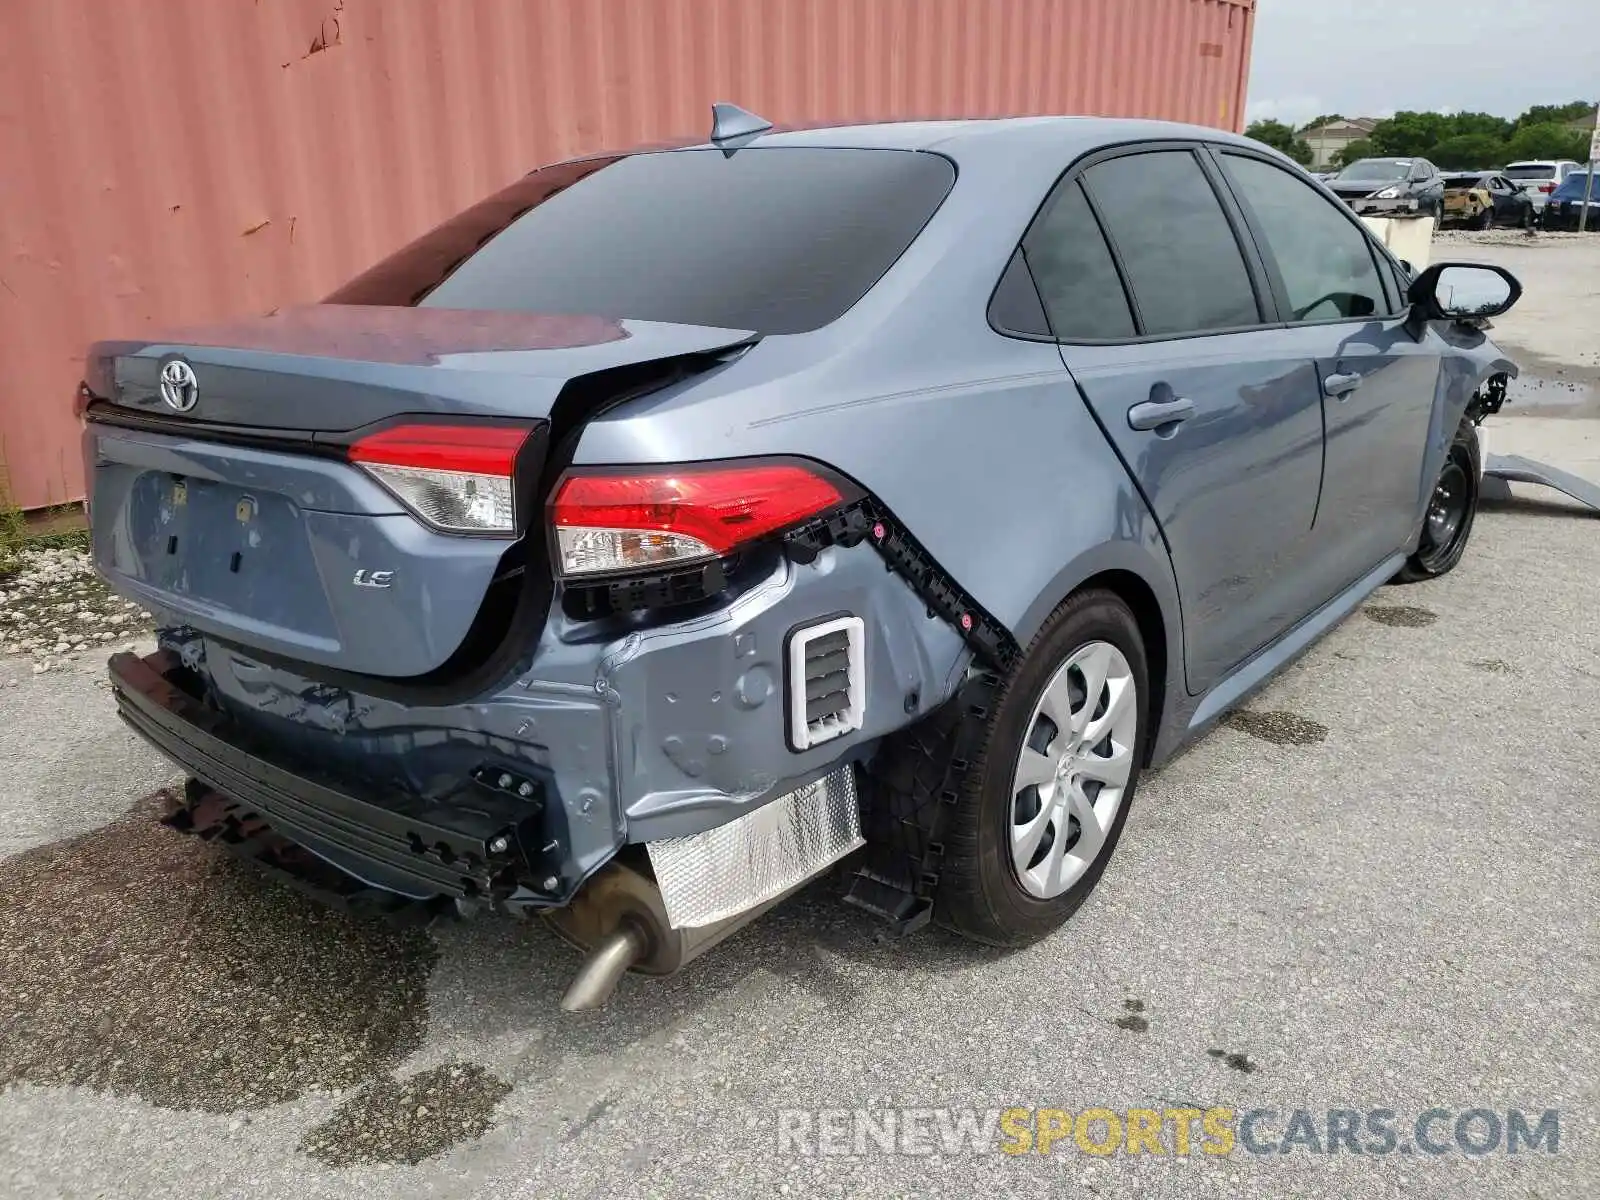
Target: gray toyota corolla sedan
{"x":672,"y":527}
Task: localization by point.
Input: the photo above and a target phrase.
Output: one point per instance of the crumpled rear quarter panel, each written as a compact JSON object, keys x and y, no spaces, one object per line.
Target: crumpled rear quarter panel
{"x":657,"y":732}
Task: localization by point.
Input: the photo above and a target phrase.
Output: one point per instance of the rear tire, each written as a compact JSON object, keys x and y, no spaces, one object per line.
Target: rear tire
{"x":1077,"y":757}
{"x":1452,"y":509}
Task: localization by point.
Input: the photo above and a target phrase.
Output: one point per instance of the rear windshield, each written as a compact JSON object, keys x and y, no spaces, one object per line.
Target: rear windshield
{"x":1573,"y":186}
{"x":1463,"y":181}
{"x":776,"y":240}
{"x":1531,"y":171}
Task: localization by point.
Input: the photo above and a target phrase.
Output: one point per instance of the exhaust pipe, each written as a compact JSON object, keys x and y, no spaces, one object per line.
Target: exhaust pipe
{"x":619,"y":918}
{"x":604,"y":968}
{"x":620,"y":923}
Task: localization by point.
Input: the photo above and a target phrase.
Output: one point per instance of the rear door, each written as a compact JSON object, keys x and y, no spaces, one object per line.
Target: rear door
{"x":1378,"y":381}
{"x":1162,"y":324}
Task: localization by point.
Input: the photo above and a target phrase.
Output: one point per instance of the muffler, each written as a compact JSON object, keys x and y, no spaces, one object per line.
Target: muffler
{"x":620,"y":921}
{"x":707,"y":887}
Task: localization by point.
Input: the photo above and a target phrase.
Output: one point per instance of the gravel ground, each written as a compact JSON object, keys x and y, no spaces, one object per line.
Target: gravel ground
{"x":1371,"y":889}
{"x":54,"y":608}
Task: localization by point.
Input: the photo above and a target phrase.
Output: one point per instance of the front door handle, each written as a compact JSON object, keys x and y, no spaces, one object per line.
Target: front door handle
{"x":1153,"y":414}
{"x":1341,"y":385}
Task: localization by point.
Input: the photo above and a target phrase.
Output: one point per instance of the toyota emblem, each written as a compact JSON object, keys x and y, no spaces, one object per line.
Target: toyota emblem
{"x":179,"y":388}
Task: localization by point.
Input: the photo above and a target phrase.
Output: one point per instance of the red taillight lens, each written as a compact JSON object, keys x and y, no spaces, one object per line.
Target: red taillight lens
{"x":632,"y":521}
{"x":1547,"y":187}
{"x":458,"y":478}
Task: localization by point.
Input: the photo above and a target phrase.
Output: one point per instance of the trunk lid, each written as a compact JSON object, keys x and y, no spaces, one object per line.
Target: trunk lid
{"x":236,"y":511}
{"x":336,"y":368}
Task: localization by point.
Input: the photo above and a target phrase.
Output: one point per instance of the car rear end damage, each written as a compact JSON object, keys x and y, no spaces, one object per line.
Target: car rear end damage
{"x":665,"y":750}
{"x":616,"y":736}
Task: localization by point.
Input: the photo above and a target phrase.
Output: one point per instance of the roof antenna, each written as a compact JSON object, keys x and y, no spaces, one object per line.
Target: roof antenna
{"x":732,"y":128}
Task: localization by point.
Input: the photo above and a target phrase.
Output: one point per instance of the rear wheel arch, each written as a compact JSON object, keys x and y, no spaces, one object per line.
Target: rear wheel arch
{"x":1154,"y":603}
{"x":1138,"y":595}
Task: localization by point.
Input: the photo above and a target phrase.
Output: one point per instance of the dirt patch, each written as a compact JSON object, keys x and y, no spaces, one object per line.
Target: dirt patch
{"x":406,"y":1121}
{"x":139,"y":962}
{"x":1239,"y":1062}
{"x":1279,"y":728}
{"x":1401,"y":615}
{"x":1492,"y":666}
{"x":1133,"y":1019}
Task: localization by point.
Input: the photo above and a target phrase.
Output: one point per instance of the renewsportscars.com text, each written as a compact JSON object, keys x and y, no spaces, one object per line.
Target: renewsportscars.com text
{"x":1178,"y":1131}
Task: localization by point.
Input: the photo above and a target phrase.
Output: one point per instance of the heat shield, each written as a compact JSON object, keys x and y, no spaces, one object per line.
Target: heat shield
{"x":722,"y":872}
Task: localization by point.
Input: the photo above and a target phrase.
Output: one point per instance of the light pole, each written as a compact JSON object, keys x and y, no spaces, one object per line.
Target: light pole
{"x":1588,"y":179}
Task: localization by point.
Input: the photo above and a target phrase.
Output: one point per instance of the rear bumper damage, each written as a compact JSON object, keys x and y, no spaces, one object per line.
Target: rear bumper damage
{"x":403,"y":859}
{"x":477,"y":844}
{"x":641,"y":784}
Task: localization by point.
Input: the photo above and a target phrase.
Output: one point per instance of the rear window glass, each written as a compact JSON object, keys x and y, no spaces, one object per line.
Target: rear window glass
{"x":1531,"y":171}
{"x":1075,"y":273}
{"x":776,"y":240}
{"x":1465,"y":181}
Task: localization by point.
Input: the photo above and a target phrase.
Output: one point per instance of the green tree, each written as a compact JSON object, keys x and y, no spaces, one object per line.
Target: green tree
{"x":1469,"y":151}
{"x":1547,"y":141}
{"x":1319,"y":122}
{"x":1409,"y":134}
{"x":1487,"y":124}
{"x":1281,"y":137}
{"x":1354,"y":152}
{"x":1556,"y":114}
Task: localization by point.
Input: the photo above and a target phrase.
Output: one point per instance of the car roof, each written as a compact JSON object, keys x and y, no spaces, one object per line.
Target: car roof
{"x":1069,"y":134}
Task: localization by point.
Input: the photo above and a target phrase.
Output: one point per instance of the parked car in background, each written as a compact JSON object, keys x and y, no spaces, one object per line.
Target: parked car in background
{"x":1541,"y":177}
{"x":1566,"y":202}
{"x":1376,"y":187}
{"x":517,"y":577}
{"x":1484,"y":199}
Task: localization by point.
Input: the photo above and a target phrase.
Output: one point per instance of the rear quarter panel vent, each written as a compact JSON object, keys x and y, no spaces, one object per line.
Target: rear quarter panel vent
{"x":826,"y":680}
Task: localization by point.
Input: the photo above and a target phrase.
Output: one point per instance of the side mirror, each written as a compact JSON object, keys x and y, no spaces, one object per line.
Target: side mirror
{"x":1468,"y":292}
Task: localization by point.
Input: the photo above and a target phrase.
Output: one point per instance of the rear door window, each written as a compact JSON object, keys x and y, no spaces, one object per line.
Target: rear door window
{"x":1325,"y":260}
{"x":1181,"y":258}
{"x":777,"y":240}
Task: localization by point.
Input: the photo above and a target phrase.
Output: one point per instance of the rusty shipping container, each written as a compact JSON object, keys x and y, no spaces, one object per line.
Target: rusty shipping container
{"x":174,"y":160}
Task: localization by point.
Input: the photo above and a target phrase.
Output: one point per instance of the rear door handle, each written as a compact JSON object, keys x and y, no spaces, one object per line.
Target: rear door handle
{"x":1341,"y":385}
{"x":1153,"y":414}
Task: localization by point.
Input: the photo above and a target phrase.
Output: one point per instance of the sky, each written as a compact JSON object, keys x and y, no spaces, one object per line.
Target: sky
{"x":1373,"y":58}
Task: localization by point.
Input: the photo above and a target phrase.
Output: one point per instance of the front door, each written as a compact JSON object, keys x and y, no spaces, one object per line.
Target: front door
{"x":1378,"y":381}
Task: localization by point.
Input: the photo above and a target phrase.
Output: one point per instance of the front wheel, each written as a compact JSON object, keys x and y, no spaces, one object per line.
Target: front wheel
{"x":1044,"y":807}
{"x":1452,"y":509}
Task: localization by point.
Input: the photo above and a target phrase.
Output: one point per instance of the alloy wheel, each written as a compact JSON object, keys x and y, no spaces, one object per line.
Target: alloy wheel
{"x":1072,"y":772}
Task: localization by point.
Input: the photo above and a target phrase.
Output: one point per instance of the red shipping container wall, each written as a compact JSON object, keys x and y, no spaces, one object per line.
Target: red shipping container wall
{"x":180,"y":160}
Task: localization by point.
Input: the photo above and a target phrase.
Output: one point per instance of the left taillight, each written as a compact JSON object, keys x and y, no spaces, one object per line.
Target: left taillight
{"x":457,"y":478}
{"x":628,"y":520}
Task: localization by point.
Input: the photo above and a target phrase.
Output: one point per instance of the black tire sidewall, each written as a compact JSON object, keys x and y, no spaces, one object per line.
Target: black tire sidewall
{"x":1015,"y":916}
{"x":1423,"y":565}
